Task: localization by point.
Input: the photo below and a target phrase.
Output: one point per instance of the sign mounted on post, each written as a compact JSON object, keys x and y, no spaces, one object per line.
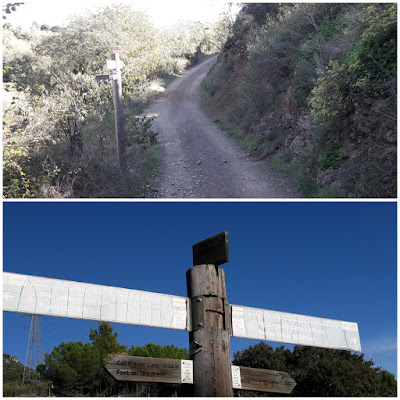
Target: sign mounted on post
{"x":114,"y":64}
{"x":263,"y":380}
{"x":213,"y":250}
{"x":147,"y":369}
{"x":60,"y":298}
{"x":205,"y":313}
{"x":275,"y":326}
{"x":104,"y":77}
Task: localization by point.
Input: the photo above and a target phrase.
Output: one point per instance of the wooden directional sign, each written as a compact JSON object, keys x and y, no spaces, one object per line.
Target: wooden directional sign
{"x":117,"y":49}
{"x":213,"y":250}
{"x":275,"y":326}
{"x":263,"y":380}
{"x":147,"y":369}
{"x":60,"y":298}
{"x":103,"y":77}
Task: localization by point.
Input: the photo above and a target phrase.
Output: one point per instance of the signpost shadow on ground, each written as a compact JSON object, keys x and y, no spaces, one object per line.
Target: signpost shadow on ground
{"x":205,"y":314}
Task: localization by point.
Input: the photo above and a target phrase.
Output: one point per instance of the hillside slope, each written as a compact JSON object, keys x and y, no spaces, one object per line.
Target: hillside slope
{"x":13,"y":372}
{"x":313,"y":88}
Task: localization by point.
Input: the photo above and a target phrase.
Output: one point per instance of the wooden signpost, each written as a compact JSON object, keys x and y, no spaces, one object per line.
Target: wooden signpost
{"x":147,"y":369}
{"x":205,"y":314}
{"x":262,"y":380}
{"x":115,"y":65}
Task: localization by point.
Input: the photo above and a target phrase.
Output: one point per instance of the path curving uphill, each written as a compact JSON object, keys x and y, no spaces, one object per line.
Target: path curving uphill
{"x":198,"y":159}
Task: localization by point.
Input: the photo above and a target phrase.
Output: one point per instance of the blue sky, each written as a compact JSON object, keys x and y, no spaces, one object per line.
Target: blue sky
{"x":334,"y":260}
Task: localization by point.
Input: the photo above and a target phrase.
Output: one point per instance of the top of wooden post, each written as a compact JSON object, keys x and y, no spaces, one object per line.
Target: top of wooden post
{"x":213,"y":250}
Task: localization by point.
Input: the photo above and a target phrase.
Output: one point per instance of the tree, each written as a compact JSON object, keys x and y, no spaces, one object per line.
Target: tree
{"x":9,"y":7}
{"x":321,"y":372}
{"x":158,"y":351}
{"x":73,"y":368}
{"x":105,"y":341}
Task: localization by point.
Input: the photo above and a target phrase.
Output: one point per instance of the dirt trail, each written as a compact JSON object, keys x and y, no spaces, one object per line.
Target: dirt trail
{"x":198,"y":159}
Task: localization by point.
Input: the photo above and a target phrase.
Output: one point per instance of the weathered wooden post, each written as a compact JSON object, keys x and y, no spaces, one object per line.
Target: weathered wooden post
{"x":115,"y":65}
{"x":209,"y":339}
{"x":119,"y":107}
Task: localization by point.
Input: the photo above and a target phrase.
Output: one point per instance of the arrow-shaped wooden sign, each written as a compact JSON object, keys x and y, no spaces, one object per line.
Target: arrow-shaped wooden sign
{"x":164,"y":370}
{"x":262,"y":380}
{"x":148,"y":369}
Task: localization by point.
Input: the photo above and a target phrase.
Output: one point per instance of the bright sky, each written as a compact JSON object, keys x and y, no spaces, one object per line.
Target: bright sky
{"x":163,"y":13}
{"x":333,"y":260}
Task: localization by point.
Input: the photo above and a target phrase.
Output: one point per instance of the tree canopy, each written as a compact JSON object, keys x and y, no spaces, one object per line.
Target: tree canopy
{"x":158,"y":351}
{"x":73,"y":368}
{"x":105,"y":341}
{"x":321,"y":372}
{"x":76,"y":369}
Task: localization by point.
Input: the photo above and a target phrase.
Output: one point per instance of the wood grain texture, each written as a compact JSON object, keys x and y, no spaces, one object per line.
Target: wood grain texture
{"x":266,"y":380}
{"x":206,"y":280}
{"x":145,"y":369}
{"x":210,"y":345}
{"x":214,"y":250}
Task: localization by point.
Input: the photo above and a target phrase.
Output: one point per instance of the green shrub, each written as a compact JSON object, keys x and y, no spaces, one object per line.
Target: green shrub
{"x":329,"y":98}
{"x":333,"y":157}
{"x":139,"y":132}
{"x":367,"y":68}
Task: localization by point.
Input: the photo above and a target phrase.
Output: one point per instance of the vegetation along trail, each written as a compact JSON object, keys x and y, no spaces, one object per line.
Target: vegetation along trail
{"x":198,"y":159}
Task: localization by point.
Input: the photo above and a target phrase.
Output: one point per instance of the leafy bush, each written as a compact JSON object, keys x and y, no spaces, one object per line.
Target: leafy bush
{"x":58,"y":131}
{"x":367,"y":68}
{"x":139,"y":132}
{"x":330,"y":99}
{"x":321,"y":372}
{"x":333,"y":157}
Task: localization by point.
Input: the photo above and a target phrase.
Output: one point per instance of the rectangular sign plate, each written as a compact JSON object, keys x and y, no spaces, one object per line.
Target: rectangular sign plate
{"x":103,"y":77}
{"x":186,"y":371}
{"x":60,"y":298}
{"x":275,"y":326}
{"x":263,"y":380}
{"x":236,"y":378}
{"x":147,"y":369}
{"x":213,"y":250}
{"x":114,"y":64}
